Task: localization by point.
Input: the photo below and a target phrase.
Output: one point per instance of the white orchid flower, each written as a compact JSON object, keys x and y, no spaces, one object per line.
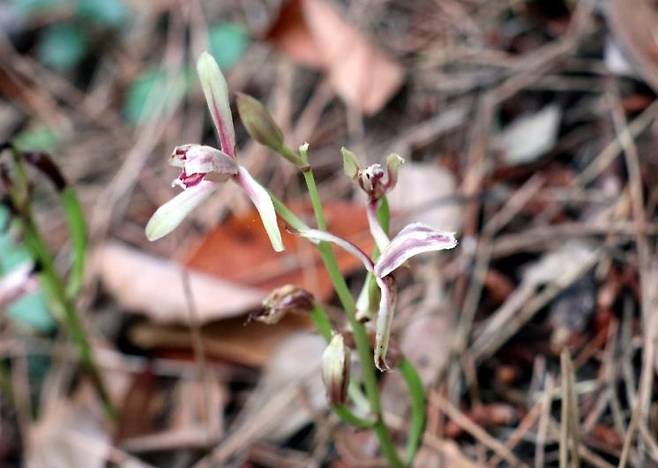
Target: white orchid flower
{"x":414,"y":239}
{"x":203,"y":167}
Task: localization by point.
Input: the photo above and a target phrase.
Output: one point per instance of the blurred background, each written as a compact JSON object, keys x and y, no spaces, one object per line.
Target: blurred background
{"x":528,"y":127}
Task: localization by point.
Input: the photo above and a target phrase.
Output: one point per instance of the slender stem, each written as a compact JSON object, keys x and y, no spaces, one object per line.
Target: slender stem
{"x":53,"y":284}
{"x":55,"y":289}
{"x":321,"y":322}
{"x":360,"y":334}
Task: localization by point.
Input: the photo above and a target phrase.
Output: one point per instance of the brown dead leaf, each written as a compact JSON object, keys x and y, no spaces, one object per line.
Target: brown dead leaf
{"x":231,"y":339}
{"x":635,"y":28}
{"x":239,"y":251}
{"x":312,"y":33}
{"x":195,"y":421}
{"x":143,"y":283}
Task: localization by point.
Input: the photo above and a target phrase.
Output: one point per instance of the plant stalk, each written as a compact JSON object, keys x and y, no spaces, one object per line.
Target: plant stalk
{"x":359,"y":331}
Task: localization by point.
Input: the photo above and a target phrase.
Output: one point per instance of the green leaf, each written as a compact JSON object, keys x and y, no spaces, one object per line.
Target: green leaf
{"x":152,"y":93}
{"x":228,"y":43}
{"x":418,"y":409}
{"x":62,"y":46}
{"x":78,"y":235}
{"x":39,"y":138}
{"x":110,"y":13}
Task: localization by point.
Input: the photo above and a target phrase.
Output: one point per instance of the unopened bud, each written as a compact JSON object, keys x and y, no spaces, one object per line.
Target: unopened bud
{"x":336,"y":370}
{"x":258,"y":122}
{"x":283,"y":300}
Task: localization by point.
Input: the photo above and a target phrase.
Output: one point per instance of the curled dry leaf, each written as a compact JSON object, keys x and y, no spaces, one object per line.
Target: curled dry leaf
{"x":635,"y":28}
{"x":312,"y":33}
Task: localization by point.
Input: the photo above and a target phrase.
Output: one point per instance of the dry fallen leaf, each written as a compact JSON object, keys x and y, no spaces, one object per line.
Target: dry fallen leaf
{"x":142,"y":283}
{"x":231,"y":339}
{"x":312,"y":33}
{"x":636,"y":28}
{"x":238,"y":251}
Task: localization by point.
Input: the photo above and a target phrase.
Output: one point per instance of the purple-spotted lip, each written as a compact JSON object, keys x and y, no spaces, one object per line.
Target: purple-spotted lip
{"x":189,"y":180}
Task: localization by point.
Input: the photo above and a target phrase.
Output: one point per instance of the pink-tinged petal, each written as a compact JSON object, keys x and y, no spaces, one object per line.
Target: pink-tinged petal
{"x":261,"y":199}
{"x":202,"y":159}
{"x":393,"y":163}
{"x":376,"y":231}
{"x":384,"y":320}
{"x":170,"y":215}
{"x":215,"y":90}
{"x":414,"y":239}
{"x":316,"y":236}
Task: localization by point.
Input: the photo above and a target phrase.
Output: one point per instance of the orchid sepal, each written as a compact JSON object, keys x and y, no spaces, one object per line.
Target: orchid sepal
{"x":215,"y":91}
{"x":260,"y":197}
{"x":171,"y":214}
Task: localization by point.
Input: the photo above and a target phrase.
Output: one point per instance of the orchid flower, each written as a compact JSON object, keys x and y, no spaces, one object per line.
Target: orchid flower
{"x":375,"y":182}
{"x":414,"y":239}
{"x":203,"y":167}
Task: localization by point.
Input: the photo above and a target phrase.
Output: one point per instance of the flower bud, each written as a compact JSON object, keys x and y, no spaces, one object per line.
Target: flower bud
{"x":281,"y":301}
{"x":336,"y":370}
{"x":258,"y":122}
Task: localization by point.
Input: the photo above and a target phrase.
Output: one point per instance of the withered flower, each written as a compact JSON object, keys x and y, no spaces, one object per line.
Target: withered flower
{"x":282,"y":301}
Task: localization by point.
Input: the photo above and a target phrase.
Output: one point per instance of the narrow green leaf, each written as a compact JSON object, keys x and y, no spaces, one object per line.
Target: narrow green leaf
{"x":78,"y":236}
{"x":418,"y":412}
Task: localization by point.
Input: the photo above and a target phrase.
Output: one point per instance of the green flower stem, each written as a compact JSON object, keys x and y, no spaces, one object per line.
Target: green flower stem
{"x":55,"y":289}
{"x":321,"y":321}
{"x":54,"y":286}
{"x":360,"y":334}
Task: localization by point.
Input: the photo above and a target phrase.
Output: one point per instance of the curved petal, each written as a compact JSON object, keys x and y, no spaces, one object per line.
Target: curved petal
{"x":384,"y":320}
{"x":317,"y":236}
{"x":376,"y":231}
{"x":201,"y":159}
{"x":216,"y":93}
{"x":261,"y":199}
{"x":169,"y":216}
{"x":414,"y":239}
